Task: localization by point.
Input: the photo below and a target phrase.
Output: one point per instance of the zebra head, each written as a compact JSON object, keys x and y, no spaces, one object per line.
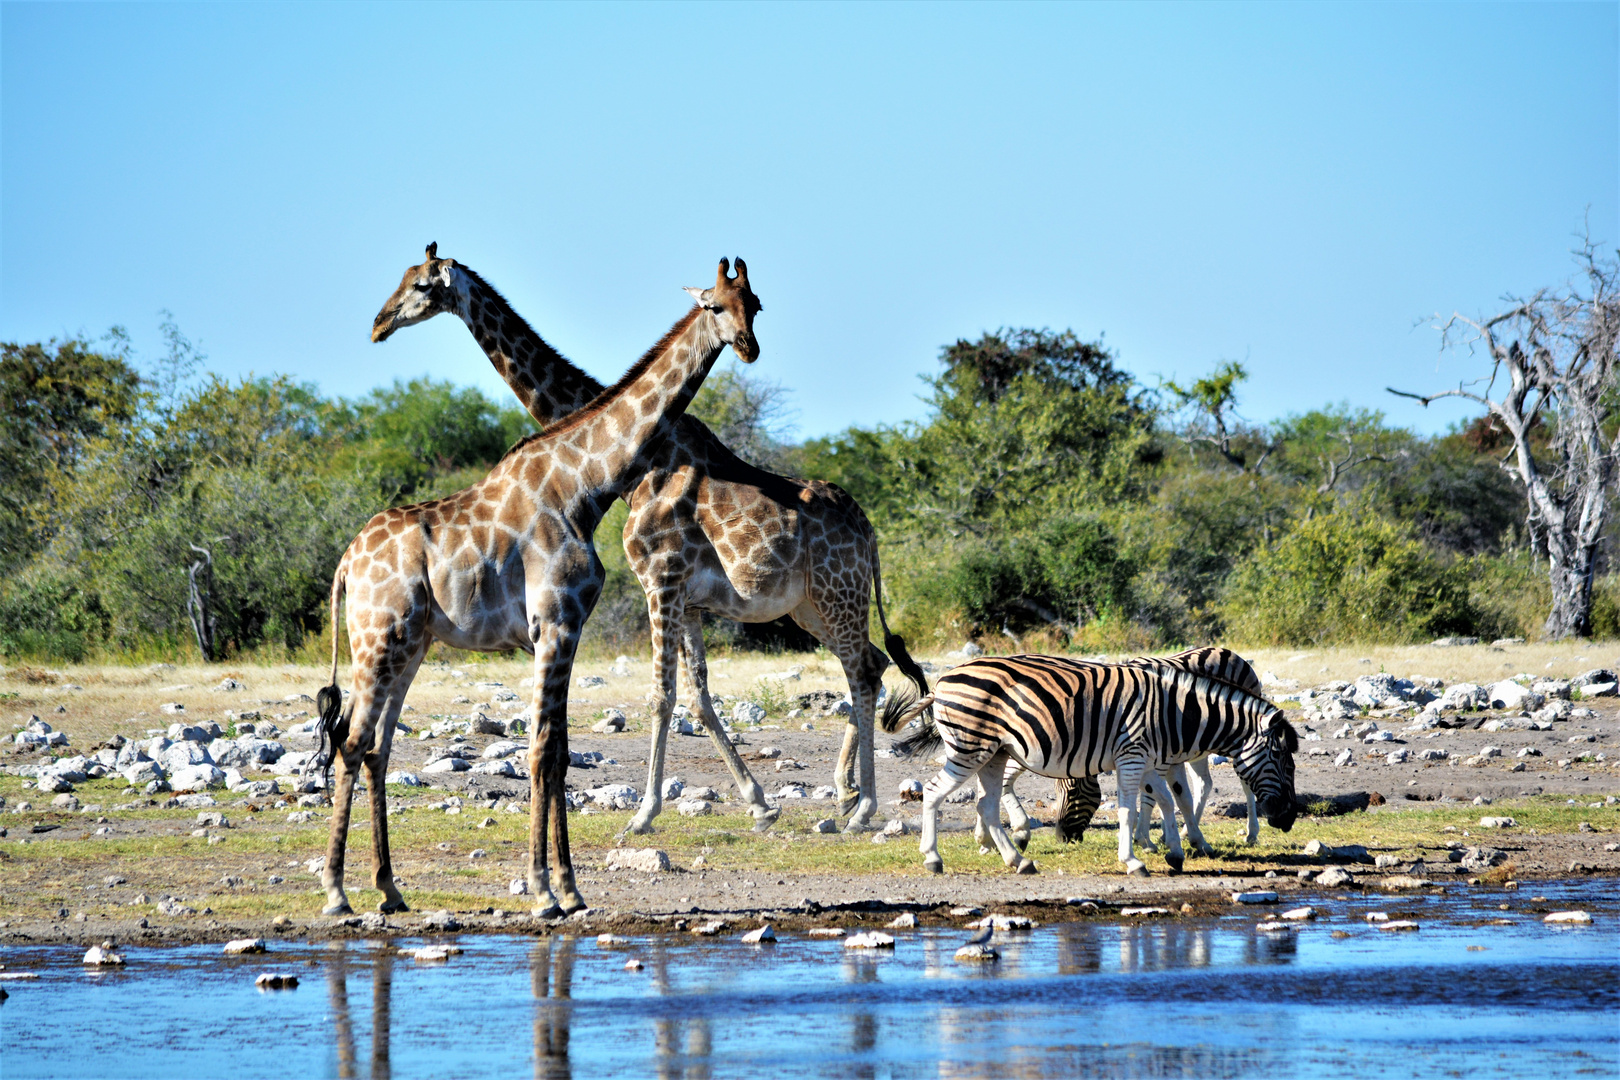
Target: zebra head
{"x":1266,"y":764}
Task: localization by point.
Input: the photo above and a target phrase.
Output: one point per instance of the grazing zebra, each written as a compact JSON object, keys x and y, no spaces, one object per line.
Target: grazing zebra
{"x":1069,"y":718}
{"x":1079,"y":797}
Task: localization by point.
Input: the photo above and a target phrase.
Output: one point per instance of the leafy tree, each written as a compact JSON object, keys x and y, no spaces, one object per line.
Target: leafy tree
{"x":55,"y":398}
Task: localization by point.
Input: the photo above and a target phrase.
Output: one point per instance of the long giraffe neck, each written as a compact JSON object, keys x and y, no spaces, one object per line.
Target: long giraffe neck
{"x":610,"y":432}
{"x":549,"y":387}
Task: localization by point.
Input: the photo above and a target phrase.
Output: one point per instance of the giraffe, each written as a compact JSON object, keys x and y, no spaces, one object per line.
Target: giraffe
{"x":507,"y":563}
{"x":706,"y":532}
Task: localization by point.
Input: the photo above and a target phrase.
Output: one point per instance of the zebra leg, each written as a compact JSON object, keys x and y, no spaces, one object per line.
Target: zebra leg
{"x":955,"y":773}
{"x":1144,"y":813}
{"x":990,"y":813}
{"x":1017,"y":818}
{"x":1129,"y":774}
{"x":1195,"y":786}
{"x":1162,"y":788}
{"x":1254,"y":816}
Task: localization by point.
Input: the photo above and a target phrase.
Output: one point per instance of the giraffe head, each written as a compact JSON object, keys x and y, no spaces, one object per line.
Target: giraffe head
{"x":734,"y":306}
{"x":423,"y":292}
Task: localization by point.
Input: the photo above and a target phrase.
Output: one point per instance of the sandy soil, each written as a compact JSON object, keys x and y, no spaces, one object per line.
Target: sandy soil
{"x":59,"y":873}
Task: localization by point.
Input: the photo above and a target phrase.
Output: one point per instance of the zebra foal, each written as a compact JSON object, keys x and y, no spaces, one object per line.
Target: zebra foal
{"x":1068,"y":718}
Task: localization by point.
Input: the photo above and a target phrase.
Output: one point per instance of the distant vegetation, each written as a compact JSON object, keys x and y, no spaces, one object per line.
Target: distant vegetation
{"x":1048,"y":501}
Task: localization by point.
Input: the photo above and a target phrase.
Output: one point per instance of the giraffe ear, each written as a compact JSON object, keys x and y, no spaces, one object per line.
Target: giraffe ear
{"x":704,"y":297}
{"x":433,"y":251}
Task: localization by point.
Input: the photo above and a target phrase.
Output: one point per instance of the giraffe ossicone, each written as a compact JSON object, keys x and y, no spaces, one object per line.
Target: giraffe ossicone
{"x":506,"y":564}
{"x":707,"y":531}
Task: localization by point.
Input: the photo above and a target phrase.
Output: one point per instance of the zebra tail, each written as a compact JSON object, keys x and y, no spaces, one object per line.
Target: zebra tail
{"x":902,"y":707}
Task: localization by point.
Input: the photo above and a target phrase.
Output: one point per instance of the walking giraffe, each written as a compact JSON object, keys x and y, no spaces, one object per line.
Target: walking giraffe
{"x":706,"y":532}
{"x":506,"y":564}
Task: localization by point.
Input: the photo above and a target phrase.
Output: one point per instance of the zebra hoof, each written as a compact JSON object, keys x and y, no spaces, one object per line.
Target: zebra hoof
{"x":1175,"y":862}
{"x":934,"y":865}
{"x":1134,"y":868}
{"x":1027,"y":866}
{"x":1020,"y":839}
{"x":389,"y":907}
{"x":338,"y":909}
{"x":549,"y":911}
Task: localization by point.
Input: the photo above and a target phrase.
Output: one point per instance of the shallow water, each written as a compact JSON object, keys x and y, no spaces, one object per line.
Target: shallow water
{"x":1170,"y":998}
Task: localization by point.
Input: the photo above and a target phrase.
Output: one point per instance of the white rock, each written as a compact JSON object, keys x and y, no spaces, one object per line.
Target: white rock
{"x":499,"y":767}
{"x":612,"y":721}
{"x":1299,"y":914}
{"x":1567,"y":917}
{"x":614,"y":796}
{"x":1396,"y":757}
{"x":1345,"y":758}
{"x":825,"y":825}
{"x":1399,"y":925}
{"x":672,"y":788}
{"x":404,"y":779}
{"x":518,"y":887}
{"x":446,"y":765}
{"x":103,"y":956}
{"x":640,"y":860}
{"x":590,"y":682}
{"x":904,"y":921}
{"x":1508,"y":694}
{"x":1497,"y":823}
{"x":501,"y":748}
{"x":763,"y":934}
{"x":977,"y":954}
{"x":748,"y":712}
{"x":242,"y":946}
{"x":869,"y":939}
{"x":1258,"y":897}
{"x":694,"y":807}
{"x":612,"y":941}
{"x":171,"y":708}
{"x":196,"y":777}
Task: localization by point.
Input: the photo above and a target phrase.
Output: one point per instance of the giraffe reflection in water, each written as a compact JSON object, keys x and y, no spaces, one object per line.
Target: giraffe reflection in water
{"x":683,"y":1048}
{"x":337,"y":988}
{"x":551,"y":977}
{"x":1163,"y":946}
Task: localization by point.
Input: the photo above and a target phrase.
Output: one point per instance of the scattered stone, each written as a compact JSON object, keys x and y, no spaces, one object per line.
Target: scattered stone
{"x":966,"y":912}
{"x":756,"y":937}
{"x":276,"y":981}
{"x":1260,"y":897}
{"x":710,"y":928}
{"x":1299,"y":914}
{"x":768,"y":753}
{"x":640,"y":860}
{"x":825,"y":931}
{"x":1143,"y":912}
{"x":1567,"y":917}
{"x":612,"y":722}
{"x":1399,"y":926}
{"x":633,"y":965}
{"x":442,"y":921}
{"x":612,"y":941}
{"x":103,"y":956}
{"x":904,"y":921}
{"x":1333,"y":877}
{"x":242,"y":946}
{"x":434,"y":953}
{"x":174,"y":908}
{"x":693,"y":807}
{"x":825,"y":825}
{"x":1497,"y":823}
{"x":869,"y":939}
{"x":977,"y":954}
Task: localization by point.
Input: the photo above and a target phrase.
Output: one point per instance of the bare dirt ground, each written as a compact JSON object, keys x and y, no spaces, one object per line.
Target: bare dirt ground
{"x":105,"y":867}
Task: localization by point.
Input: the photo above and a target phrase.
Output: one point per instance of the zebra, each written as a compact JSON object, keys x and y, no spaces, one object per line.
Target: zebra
{"x":1069,"y":718}
{"x":1079,"y":797}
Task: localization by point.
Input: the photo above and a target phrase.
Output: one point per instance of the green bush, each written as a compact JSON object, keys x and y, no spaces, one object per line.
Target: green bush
{"x":1347,"y":577}
{"x":1069,"y":573}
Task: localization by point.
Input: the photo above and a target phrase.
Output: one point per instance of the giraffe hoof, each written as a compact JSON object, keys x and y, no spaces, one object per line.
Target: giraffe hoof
{"x":846,"y":803}
{"x":389,"y":907}
{"x":551,"y":911}
{"x":574,"y":903}
{"x":764,"y":819}
{"x":338,"y":909}
{"x":1027,"y":866}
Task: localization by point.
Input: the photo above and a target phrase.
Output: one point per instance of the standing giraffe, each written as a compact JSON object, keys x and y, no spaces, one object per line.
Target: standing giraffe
{"x":706,"y":532}
{"x":506,"y":564}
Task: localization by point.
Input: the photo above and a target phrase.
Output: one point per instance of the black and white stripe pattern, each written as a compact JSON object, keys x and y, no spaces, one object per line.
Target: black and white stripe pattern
{"x":1070,"y":718}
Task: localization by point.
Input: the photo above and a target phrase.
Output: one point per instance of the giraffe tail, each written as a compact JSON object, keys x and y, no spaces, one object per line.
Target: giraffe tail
{"x":893,"y":643}
{"x":334,"y":728}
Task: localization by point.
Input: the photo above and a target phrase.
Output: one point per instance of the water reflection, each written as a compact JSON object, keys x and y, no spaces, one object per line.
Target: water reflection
{"x":338,"y":968}
{"x":1163,"y":946}
{"x":1078,"y":951}
{"x":551,"y":979}
{"x":683,"y":1048}
{"x":1270,"y":948}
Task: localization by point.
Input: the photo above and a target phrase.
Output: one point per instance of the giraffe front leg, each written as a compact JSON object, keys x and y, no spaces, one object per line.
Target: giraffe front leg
{"x":382,"y":863}
{"x":697,"y":672}
{"x":1129,"y":774}
{"x":664,"y":614}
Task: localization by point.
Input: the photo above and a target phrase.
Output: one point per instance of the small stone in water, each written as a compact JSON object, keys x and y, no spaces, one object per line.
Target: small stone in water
{"x":869,"y":939}
{"x":904,"y":921}
{"x":1399,"y":925}
{"x":611,"y":941}
{"x":242,"y":946}
{"x":103,"y":956}
{"x":1568,"y":917}
{"x":763,"y":934}
{"x":1259,"y":897}
{"x":977,"y":954}
{"x":269,"y":980}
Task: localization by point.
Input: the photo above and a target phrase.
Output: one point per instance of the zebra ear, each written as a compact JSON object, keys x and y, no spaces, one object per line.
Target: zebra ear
{"x":1283,"y":729}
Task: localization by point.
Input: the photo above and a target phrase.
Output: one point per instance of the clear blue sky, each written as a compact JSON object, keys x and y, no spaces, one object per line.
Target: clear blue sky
{"x":1293,"y":186}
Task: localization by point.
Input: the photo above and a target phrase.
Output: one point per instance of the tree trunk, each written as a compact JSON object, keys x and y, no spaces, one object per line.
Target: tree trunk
{"x":199,"y":595}
{"x":1571,"y":594}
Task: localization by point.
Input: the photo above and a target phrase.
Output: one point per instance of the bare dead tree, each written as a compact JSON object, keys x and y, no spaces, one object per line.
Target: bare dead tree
{"x":199,"y":600}
{"x":1557,"y":352}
